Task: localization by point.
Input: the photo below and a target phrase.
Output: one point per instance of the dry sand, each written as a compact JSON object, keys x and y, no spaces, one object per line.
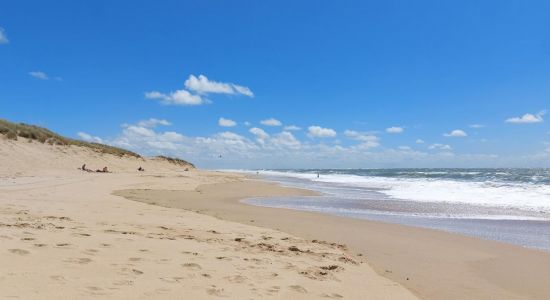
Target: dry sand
{"x":432,"y":264}
{"x":64,"y":235}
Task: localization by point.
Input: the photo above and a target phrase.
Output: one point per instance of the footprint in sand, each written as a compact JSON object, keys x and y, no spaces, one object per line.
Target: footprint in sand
{"x":134,"y":258}
{"x":19,"y":251}
{"x":192,"y":266}
{"x":63,"y":245}
{"x":215,"y":291}
{"x":298,"y":288}
{"x":90,"y":251}
{"x":80,"y":261}
{"x":82,"y":234}
{"x":123,"y":283}
{"x":58,"y":278}
{"x":137,"y":272}
{"x":236,"y":279}
{"x":28,"y":239}
{"x":223,"y":258}
{"x":40,"y":245}
{"x":171,"y":280}
{"x":332,"y":296}
{"x":274,"y":289}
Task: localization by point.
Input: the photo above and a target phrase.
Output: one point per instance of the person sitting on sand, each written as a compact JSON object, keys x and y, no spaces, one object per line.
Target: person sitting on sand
{"x":83,"y":168}
{"x":105,"y":170}
{"x":141,"y":169}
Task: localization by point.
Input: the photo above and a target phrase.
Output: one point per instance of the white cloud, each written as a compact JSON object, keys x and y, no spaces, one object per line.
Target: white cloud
{"x":243,"y":90}
{"x":39,"y":75}
{"x":3,"y":36}
{"x":179,"y":97}
{"x":226,"y":122}
{"x":259,"y":133}
{"x":89,"y":138}
{"x":292,"y":128}
{"x":202,"y":85}
{"x":404,"y":148}
{"x":438,"y":146}
{"x":419,"y":141}
{"x":171,"y":136}
{"x":367,"y":140}
{"x":476,"y":126}
{"x":285,"y":139}
{"x":139,"y":131}
{"x":394,"y":129}
{"x":456,"y":133}
{"x":284,"y":150}
{"x":317,"y":131}
{"x":152,"y":122}
{"x":247,"y":123}
{"x":271,"y":122}
{"x":527,"y":118}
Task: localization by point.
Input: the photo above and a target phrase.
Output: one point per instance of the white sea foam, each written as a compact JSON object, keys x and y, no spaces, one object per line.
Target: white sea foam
{"x":529,"y":196}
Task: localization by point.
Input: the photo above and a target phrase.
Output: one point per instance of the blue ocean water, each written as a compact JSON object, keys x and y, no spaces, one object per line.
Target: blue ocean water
{"x":509,"y":205}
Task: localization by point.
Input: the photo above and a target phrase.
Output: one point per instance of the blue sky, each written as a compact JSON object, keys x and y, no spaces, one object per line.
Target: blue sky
{"x":365,"y":81}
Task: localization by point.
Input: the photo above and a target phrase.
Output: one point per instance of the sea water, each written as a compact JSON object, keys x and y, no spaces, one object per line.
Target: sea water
{"x":508,"y":205}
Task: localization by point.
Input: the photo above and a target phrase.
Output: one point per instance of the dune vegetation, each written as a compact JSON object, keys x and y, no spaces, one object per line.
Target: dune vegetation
{"x":14,"y":131}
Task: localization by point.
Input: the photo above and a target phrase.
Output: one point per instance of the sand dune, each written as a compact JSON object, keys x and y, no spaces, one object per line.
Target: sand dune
{"x":64,"y":235}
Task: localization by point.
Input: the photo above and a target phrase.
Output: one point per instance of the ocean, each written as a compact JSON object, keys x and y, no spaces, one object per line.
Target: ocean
{"x":507,"y":205}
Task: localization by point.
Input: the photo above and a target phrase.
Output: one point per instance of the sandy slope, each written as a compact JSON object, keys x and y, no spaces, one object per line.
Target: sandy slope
{"x":64,"y":235}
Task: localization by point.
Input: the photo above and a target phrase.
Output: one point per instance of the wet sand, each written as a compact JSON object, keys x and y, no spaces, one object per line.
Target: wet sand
{"x":430,"y":263}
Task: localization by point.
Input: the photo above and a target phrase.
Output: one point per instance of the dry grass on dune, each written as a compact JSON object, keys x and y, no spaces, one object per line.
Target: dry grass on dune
{"x":43,"y":135}
{"x":13,"y":131}
{"x":175,"y":161}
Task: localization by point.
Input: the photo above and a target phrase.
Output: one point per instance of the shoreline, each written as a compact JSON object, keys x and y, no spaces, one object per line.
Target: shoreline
{"x":436,"y":264}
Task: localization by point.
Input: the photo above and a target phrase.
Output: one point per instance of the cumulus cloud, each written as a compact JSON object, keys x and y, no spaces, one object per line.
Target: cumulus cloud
{"x":285,"y":139}
{"x":202,"y":85}
{"x":271,"y":122}
{"x":39,"y":75}
{"x":367,"y":140}
{"x":419,"y":141}
{"x":394,"y":129}
{"x":152,"y":122}
{"x":283,"y":150}
{"x":226,"y":122}
{"x":179,"y":97}
{"x":89,"y":138}
{"x":317,"y":131}
{"x":259,"y":133}
{"x":476,"y":126}
{"x":292,"y":128}
{"x":3,"y":36}
{"x":527,"y":118}
{"x":456,"y":133}
{"x":438,"y":146}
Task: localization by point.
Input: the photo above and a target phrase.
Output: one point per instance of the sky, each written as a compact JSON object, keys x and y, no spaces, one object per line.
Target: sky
{"x":287,"y":84}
